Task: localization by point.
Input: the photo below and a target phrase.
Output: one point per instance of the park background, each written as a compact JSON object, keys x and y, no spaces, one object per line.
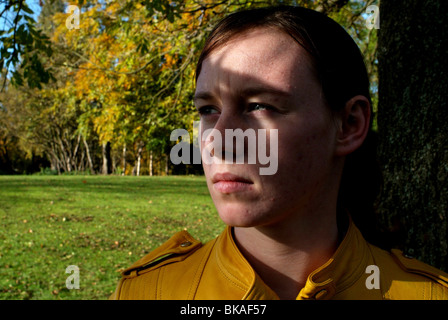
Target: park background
{"x":87,"y":107}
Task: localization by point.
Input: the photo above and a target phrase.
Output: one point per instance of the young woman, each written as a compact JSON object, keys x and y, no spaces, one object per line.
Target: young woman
{"x":291,"y":234}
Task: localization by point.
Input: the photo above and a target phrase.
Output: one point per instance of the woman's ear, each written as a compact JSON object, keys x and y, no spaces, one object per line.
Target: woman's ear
{"x":354,"y":125}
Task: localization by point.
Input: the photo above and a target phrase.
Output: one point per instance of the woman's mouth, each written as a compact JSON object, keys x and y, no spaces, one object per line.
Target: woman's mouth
{"x":230,"y":183}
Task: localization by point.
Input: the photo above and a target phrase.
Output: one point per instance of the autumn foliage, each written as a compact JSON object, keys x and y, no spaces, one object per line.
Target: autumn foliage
{"x":122,"y":81}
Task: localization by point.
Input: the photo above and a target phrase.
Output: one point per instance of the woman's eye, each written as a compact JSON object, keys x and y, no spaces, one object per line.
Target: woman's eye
{"x":207,"y":110}
{"x":259,"y":107}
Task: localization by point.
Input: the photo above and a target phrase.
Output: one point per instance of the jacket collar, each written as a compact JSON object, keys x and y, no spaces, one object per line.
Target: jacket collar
{"x":337,"y":274}
{"x":343,"y":269}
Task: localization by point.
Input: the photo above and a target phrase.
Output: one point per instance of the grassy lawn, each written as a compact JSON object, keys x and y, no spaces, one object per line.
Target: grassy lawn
{"x":102,"y":224}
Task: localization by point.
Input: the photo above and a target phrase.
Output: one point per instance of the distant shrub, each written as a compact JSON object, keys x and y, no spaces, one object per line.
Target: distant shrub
{"x":46,"y":172}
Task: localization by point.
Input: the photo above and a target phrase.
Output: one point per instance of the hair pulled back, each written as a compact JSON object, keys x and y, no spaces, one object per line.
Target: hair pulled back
{"x":340,"y":69}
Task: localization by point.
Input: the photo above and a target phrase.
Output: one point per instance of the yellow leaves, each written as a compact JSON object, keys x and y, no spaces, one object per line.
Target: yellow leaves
{"x":59,"y":20}
{"x":104,"y":41}
{"x":170,"y":61}
{"x":125,"y":82}
{"x":112,"y":8}
{"x":170,"y":58}
{"x":83,"y":81}
{"x":72,"y":3}
{"x":116,"y":54}
{"x":104,"y":124}
{"x":137,"y":130}
{"x":191,"y":20}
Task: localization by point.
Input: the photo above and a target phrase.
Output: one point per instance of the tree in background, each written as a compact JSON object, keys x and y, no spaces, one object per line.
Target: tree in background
{"x":22,"y":46}
{"x":124,"y":79}
{"x":105,"y":97}
{"x":412,"y":126}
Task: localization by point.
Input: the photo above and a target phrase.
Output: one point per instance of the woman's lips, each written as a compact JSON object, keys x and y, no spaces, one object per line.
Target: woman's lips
{"x":230,"y":183}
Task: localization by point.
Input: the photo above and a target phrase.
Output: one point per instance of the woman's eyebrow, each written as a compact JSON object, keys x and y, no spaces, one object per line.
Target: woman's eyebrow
{"x":246,"y":92}
{"x":262,"y":89}
{"x":202,"y":95}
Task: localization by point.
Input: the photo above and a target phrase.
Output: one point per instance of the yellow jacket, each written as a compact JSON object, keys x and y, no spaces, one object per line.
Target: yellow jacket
{"x":184,"y":269}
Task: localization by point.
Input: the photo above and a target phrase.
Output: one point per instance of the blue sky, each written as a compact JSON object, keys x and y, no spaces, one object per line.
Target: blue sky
{"x":32,"y":4}
{"x":5,"y":21}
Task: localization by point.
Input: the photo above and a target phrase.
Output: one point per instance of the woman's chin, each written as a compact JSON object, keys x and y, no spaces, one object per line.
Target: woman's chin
{"x":242,"y":216}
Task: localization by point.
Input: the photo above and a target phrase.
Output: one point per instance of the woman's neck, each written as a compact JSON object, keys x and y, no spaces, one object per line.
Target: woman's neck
{"x":284,"y":254}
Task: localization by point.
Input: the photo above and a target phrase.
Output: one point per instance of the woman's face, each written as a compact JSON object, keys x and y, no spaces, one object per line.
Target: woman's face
{"x":263,"y":79}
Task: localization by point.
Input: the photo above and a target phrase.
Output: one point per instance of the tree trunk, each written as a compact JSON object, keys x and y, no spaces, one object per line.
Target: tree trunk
{"x":412,"y":126}
{"x":75,"y":154}
{"x":124,"y":160}
{"x":167,"y":159}
{"x":88,"y":155}
{"x":150,"y":164}
{"x":139,"y":157}
{"x":106,"y":158}
{"x":81,"y":166}
{"x":64,"y":156}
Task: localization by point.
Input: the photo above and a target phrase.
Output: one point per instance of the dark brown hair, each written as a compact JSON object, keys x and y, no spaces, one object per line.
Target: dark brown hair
{"x":335,"y":56}
{"x":340,"y":68}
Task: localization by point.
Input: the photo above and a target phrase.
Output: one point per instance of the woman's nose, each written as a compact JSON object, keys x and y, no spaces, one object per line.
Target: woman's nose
{"x":232,"y":131}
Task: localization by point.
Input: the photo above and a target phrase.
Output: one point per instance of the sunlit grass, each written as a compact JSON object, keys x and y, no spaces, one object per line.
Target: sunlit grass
{"x":100,"y":224}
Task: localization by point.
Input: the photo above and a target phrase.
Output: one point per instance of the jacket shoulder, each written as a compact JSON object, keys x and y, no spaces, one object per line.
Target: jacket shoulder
{"x":182,"y":257}
{"x":177,"y":248}
{"x":407,"y":278}
{"x":412,"y":265}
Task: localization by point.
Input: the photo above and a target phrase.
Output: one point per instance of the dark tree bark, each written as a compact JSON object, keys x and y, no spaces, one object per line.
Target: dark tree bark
{"x":413,"y":126}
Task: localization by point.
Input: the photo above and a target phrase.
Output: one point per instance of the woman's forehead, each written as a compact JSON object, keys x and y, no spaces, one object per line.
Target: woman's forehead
{"x":265,"y":55}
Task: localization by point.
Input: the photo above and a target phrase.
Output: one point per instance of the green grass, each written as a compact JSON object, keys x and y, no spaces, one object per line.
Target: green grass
{"x":102,"y":224}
